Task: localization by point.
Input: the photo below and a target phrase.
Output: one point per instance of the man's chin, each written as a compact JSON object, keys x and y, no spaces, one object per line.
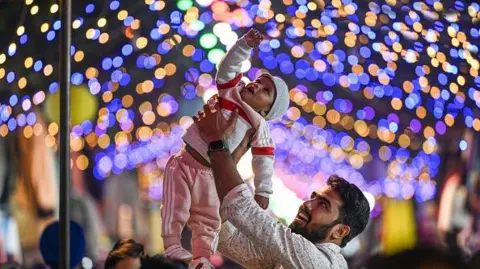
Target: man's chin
{"x":314,"y":237}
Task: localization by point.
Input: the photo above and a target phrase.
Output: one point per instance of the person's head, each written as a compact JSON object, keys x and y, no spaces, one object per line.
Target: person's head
{"x":268,"y":95}
{"x":159,"y":261}
{"x":336,"y":213}
{"x":125,"y":254}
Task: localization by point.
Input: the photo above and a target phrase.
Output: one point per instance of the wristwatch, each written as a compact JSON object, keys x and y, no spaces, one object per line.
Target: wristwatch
{"x":216,"y":146}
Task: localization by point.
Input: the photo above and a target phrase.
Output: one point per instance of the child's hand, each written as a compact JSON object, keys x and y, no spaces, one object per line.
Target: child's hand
{"x":262,"y":201}
{"x":253,"y":38}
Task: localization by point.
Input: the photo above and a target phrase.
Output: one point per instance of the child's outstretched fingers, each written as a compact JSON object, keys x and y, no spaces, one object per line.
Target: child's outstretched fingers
{"x":253,"y":38}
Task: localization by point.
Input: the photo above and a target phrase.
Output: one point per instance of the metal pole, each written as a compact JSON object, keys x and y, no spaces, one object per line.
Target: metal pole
{"x":64,"y":143}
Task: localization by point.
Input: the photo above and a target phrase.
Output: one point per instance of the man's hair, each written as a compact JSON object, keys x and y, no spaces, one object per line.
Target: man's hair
{"x":355,"y":210}
{"x":123,"y":249}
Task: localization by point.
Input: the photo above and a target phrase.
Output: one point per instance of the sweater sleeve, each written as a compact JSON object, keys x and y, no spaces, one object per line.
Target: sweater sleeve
{"x":229,"y":70}
{"x":263,"y":151}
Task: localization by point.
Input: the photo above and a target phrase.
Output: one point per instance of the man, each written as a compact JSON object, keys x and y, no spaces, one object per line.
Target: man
{"x":126,"y":254}
{"x":334,"y":215}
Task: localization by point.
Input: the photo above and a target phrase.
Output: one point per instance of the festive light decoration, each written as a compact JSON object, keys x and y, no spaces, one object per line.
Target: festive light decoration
{"x":369,"y":81}
{"x":84,"y":105}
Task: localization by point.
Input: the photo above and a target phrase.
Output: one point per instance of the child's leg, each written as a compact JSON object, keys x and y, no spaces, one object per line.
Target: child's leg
{"x":204,"y":215}
{"x":176,"y":203}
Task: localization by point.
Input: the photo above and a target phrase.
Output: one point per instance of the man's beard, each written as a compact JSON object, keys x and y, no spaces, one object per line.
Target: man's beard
{"x":315,"y":236}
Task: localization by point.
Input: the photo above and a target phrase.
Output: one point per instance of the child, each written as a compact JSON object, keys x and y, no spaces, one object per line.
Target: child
{"x":189,"y":193}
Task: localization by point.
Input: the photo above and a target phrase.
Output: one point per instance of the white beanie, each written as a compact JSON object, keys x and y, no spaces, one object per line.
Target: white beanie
{"x":282,"y":100}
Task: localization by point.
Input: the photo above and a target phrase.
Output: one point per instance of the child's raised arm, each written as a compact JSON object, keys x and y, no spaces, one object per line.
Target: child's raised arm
{"x":229,"y":70}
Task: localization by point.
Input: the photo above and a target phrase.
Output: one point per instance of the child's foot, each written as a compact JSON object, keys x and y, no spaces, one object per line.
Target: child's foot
{"x":201,"y":263}
{"x":178,"y":253}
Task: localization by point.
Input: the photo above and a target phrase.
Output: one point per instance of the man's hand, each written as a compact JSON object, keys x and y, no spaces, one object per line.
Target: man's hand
{"x":253,"y":38}
{"x":243,"y":147}
{"x":262,"y":201}
{"x":211,"y":123}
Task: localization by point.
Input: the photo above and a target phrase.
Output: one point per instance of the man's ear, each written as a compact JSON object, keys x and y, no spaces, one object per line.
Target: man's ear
{"x":341,"y":230}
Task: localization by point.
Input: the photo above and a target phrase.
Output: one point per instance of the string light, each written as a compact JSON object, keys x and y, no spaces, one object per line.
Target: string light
{"x":377,"y":64}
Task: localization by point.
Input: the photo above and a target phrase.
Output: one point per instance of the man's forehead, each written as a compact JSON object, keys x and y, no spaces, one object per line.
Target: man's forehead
{"x":329,"y":193}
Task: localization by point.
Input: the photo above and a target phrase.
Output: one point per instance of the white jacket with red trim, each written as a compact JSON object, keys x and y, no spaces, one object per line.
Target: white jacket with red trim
{"x":229,"y":85}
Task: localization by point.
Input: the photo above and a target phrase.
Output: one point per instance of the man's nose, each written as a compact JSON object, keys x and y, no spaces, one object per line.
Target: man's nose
{"x":309,"y":205}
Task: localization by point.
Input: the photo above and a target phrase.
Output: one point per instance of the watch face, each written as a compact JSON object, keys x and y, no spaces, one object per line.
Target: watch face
{"x":216,"y":145}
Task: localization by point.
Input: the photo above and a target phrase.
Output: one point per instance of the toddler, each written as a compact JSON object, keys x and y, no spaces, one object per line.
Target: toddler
{"x":189,"y":193}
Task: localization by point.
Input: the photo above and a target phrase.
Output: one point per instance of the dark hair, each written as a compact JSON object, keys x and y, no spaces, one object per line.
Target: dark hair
{"x":159,"y":261}
{"x":355,"y":210}
{"x":123,"y":249}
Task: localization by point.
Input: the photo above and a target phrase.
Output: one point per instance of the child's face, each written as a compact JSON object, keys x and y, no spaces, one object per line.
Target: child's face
{"x":259,"y":94}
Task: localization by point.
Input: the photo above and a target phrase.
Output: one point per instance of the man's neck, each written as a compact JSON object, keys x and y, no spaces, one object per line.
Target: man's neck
{"x":326,"y":241}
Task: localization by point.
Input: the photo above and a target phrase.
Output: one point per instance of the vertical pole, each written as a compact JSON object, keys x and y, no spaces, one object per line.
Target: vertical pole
{"x":64,"y":143}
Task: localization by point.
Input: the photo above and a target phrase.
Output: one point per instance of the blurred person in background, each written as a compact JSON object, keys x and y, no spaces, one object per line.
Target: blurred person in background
{"x":454,"y":220}
{"x":122,"y":210}
{"x":125,"y":254}
{"x":34,"y":197}
{"x":84,"y":211}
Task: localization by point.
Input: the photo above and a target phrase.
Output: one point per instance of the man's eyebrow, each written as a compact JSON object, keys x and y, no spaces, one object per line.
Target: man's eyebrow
{"x":324,"y":199}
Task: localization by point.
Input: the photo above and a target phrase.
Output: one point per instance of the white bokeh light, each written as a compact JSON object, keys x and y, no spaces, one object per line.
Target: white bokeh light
{"x":370,"y":199}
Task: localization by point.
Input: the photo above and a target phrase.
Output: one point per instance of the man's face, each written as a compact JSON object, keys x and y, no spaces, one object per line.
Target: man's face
{"x":129,"y":263}
{"x":259,"y":94}
{"x":317,"y":218}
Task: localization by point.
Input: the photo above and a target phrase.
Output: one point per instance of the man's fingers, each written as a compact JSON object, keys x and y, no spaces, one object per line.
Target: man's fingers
{"x":207,"y":109}
{"x":195,"y":119}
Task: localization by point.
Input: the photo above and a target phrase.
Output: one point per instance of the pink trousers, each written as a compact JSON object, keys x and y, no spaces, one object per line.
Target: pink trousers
{"x":190,"y":196}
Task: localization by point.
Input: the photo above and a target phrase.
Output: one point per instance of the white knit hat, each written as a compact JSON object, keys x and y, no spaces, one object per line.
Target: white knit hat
{"x":282,"y":100}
